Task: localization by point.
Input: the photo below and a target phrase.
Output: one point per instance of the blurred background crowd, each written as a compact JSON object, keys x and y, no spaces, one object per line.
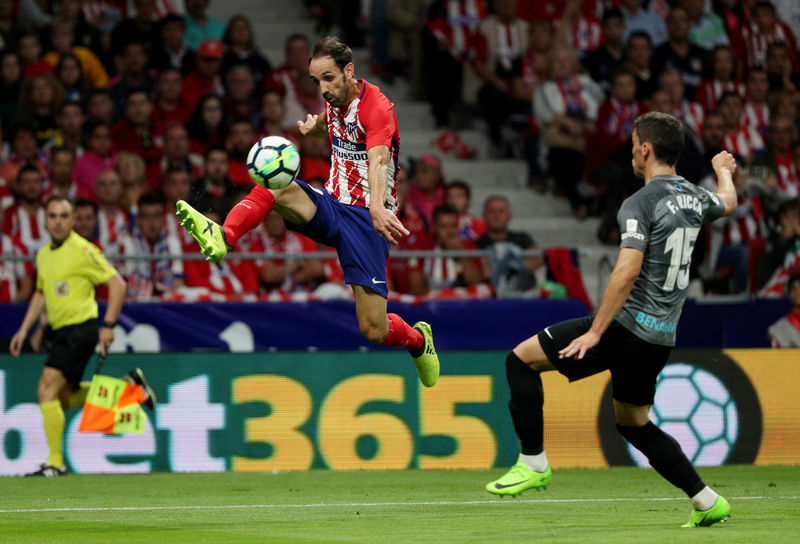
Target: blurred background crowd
{"x":127,"y":106}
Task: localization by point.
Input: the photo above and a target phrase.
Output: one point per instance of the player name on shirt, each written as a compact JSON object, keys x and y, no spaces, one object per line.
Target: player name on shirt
{"x":685,"y":202}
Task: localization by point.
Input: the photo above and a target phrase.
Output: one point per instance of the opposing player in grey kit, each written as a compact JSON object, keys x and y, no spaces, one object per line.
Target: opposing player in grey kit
{"x":634,"y":329}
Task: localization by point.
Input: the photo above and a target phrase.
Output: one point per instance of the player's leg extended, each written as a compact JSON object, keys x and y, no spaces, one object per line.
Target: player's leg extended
{"x":391,"y":330}
{"x":532,"y":471}
{"x":51,"y":384}
{"x":665,"y":455}
{"x":215,"y":241}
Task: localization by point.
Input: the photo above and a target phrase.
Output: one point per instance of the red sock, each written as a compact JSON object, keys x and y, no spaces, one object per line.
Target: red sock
{"x":402,"y":335}
{"x":248,"y":214}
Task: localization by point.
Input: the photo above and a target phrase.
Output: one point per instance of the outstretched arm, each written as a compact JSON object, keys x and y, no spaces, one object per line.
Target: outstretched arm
{"x":724,"y":166}
{"x":314,"y":125}
{"x":629,"y":264}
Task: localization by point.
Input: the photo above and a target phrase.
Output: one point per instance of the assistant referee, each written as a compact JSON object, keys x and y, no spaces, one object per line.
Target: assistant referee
{"x":68,"y":270}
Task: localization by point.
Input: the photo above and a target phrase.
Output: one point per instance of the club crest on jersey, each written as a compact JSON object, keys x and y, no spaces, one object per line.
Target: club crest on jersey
{"x":351,"y":129}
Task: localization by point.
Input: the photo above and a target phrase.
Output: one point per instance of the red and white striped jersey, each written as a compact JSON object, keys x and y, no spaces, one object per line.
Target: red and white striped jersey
{"x":585,"y":35}
{"x":114,"y":233}
{"x":709,"y":91}
{"x":6,"y":198}
{"x":440,"y":272}
{"x":691,"y":113}
{"x":752,"y":45}
{"x":745,"y":142}
{"x":292,"y":243}
{"x":28,"y":228}
{"x":788,"y":178}
{"x":756,"y":116}
{"x":747,"y":222}
{"x":12,"y":272}
{"x":457,"y":28}
{"x":368,"y":121}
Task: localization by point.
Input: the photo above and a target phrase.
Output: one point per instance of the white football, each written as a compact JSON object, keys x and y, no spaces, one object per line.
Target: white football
{"x":273,"y":162}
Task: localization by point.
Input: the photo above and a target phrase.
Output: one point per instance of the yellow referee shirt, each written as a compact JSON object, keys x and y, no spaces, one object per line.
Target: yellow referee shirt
{"x":67,"y":276}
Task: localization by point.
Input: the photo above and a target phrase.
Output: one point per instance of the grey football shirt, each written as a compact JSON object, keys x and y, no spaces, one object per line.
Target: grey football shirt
{"x":662,"y":220}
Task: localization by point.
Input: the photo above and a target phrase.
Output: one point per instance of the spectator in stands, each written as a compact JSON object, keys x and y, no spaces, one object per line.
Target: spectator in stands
{"x":679,"y":53}
{"x":171,"y":52}
{"x":500,"y":43}
{"x":292,"y":275}
{"x":540,"y":42}
{"x":732,"y":13}
{"x":23,"y":151}
{"x":778,"y":157}
{"x":413,"y":222}
{"x":760,"y":31}
{"x":136,"y":132}
{"x":782,"y":249}
{"x":132,"y":173}
{"x":199,"y":26}
{"x":62,"y":164}
{"x":315,"y":157}
{"x":458,"y":194}
{"x":141,"y":27}
{"x":215,"y":191}
{"x":10,"y":30}
{"x":69,"y":72}
{"x":508,"y":271}
{"x":638,"y":19}
{"x":86,"y":220}
{"x":708,"y":30}
{"x":177,"y":155}
{"x":785,"y":333}
{"x":86,"y":35}
{"x":132,"y":74}
{"x":691,"y":113}
{"x":639,"y":52}
{"x":39,"y":102}
{"x":723,"y":78}
{"x":30,"y":52}
{"x":785,"y":103}
{"x":149,"y":279}
{"x":780,"y":71}
{"x":446,"y":44}
{"x":177,"y":186}
{"x":406,"y":21}
{"x":114,"y":228}
{"x":97,"y":157}
{"x":214,"y":278}
{"x":62,"y":37}
{"x":25,"y":220}
{"x":241,"y":48}
{"x":756,"y":109}
{"x":168,"y":104}
{"x":99,"y":106}
{"x":427,"y":187}
{"x":566,"y":108}
{"x":241,"y":138}
{"x":435,"y":273}
{"x":272,"y":115}
{"x":16,"y":278}
{"x":10,"y":83}
{"x":205,"y":78}
{"x":240,"y":101}
{"x":579,"y":29}
{"x":739,"y":139}
{"x":601,"y":62}
{"x":70,"y":123}
{"x":206,"y":125}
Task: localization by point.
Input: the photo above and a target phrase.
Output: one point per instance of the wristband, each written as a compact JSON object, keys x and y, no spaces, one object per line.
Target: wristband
{"x":109,"y":324}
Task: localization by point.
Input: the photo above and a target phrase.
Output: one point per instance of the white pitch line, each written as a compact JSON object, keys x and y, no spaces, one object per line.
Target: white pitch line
{"x":359,"y":504}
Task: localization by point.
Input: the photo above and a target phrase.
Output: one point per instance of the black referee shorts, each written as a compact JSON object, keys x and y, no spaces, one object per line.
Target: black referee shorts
{"x":634,"y":363}
{"x":72,"y":348}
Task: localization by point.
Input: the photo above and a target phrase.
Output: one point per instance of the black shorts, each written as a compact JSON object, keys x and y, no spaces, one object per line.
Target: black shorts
{"x":634,"y":363}
{"x":72,"y":348}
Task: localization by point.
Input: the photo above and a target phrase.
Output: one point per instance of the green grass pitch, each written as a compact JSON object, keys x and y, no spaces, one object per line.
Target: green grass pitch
{"x":616,"y":506}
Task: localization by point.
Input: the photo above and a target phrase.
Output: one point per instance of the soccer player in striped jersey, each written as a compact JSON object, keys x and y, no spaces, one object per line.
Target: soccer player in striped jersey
{"x":355,"y":213}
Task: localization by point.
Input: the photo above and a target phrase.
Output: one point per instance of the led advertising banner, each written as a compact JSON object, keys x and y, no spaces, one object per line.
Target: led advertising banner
{"x":348,"y":410}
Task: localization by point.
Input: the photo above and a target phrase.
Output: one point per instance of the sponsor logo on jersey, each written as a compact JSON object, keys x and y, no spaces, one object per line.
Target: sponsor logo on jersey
{"x":655,"y":324}
{"x":631,"y":226}
{"x":347,"y":150}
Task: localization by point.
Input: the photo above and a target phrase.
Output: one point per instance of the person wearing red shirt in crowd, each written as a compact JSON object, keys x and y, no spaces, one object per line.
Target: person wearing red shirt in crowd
{"x":778,"y":157}
{"x":240,"y":101}
{"x":86,"y":220}
{"x":215,"y":190}
{"x":136,"y":132}
{"x":241,"y":138}
{"x":417,"y":230}
{"x":176,"y":155}
{"x":739,"y":139}
{"x":427,"y":187}
{"x":206,"y":126}
{"x":177,"y":186}
{"x":785,"y":333}
{"x":16,"y":277}
{"x":114,"y":225}
{"x":25,"y":220}
{"x":691,"y":113}
{"x":220,"y":277}
{"x":133,"y":174}
{"x":168,"y":104}
{"x":97,"y":157}
{"x":205,"y":78}
{"x":756,"y":108}
{"x":434,"y":273}
{"x":578,"y":29}
{"x":30,"y":52}
{"x":759,"y":32}
{"x":458,"y":194}
{"x":724,"y":72}
{"x":133,"y":73}
{"x":62,"y":165}
{"x":23,"y":151}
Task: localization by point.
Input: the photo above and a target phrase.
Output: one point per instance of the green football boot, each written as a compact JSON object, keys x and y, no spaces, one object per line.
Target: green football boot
{"x":208,"y":234}
{"x":427,"y":362}
{"x":721,"y":511}
{"x":518,"y":479}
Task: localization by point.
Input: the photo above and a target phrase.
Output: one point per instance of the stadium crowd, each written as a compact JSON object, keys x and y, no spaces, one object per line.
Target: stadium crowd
{"x":129,"y":106}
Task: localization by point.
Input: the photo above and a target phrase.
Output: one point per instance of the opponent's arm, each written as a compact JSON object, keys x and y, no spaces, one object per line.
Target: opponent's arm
{"x":35,"y":307}
{"x":385,"y":222}
{"x":629,"y":264}
{"x":724,"y":166}
{"x":116,"y":294}
{"x":314,"y":125}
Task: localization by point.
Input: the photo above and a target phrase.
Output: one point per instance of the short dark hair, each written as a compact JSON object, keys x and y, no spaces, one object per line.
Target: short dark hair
{"x":729,"y":94}
{"x":172,"y":18}
{"x":331,"y":46}
{"x":28,"y":167}
{"x":62,"y":149}
{"x":664,"y":132}
{"x":136,"y":90}
{"x":763,"y":5}
{"x":153,"y":196}
{"x":459,"y":184}
{"x":612,"y":13}
{"x":61,"y":198}
{"x":620,"y":71}
{"x":215,"y":148}
{"x":444,"y":209}
{"x":639,"y":34}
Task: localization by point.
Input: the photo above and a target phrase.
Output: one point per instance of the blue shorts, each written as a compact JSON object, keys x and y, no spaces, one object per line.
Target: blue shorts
{"x":363,"y":252}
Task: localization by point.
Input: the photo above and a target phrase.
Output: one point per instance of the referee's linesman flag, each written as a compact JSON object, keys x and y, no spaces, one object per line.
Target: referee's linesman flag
{"x":113,"y":406}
